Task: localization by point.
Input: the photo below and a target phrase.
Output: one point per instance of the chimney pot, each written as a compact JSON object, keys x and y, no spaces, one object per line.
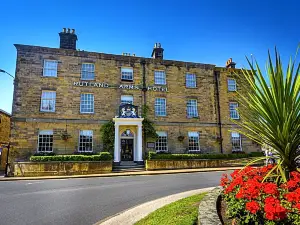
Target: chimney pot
{"x":158,"y":51}
{"x":68,"y":40}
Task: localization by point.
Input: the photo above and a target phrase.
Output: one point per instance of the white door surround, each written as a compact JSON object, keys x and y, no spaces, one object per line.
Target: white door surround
{"x":138,"y":135}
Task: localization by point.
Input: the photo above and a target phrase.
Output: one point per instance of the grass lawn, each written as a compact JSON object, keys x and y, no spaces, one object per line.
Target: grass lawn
{"x":182,"y":212}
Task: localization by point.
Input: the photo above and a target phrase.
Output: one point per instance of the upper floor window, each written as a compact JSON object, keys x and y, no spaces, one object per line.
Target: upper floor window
{"x":190,"y":80}
{"x":160,"y":77}
{"x":232,"y":109}
{"x":194,"y":141}
{"x":236,"y":142}
{"x":192,"y":109}
{"x":161,"y":144}
{"x":160,"y":107}
{"x":85,"y":141}
{"x":126,"y":99}
{"x":87,"y":71}
{"x":45,"y":141}
{"x":48,"y":100}
{"x":86,"y":103}
{"x":127,"y":74}
{"x":50,"y":68}
{"x":231,"y":83}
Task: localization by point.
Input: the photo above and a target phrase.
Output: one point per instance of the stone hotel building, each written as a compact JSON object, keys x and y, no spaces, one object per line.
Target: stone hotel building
{"x":64,"y":95}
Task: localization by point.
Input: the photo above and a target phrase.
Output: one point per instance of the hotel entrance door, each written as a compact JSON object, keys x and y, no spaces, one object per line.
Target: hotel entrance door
{"x":127,"y":149}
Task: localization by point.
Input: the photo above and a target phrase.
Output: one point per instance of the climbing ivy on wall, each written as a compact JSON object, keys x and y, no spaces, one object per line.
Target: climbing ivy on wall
{"x":108,"y":136}
{"x":148,"y":125}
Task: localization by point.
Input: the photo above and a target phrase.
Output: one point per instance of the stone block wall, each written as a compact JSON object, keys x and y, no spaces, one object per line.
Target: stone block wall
{"x":27,"y":119}
{"x":4,"y":136}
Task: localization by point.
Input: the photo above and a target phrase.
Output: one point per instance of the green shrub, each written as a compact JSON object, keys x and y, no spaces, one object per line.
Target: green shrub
{"x":103,"y":156}
{"x":256,"y":154}
{"x":153,"y":155}
{"x":44,"y":154}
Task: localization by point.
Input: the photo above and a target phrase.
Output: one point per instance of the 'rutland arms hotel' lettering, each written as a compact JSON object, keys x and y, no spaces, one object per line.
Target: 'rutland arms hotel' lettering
{"x":121,"y":86}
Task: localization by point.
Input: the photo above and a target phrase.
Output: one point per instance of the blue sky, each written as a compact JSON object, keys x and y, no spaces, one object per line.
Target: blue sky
{"x":208,"y":31}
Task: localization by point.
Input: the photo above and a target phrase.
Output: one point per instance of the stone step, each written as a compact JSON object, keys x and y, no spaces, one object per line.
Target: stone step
{"x":125,"y":170}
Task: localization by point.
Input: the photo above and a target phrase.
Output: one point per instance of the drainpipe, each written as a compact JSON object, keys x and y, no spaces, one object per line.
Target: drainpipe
{"x":144,"y":90}
{"x":219,"y":109}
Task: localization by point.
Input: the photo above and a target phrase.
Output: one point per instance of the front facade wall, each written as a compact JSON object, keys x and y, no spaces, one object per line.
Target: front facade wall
{"x":28,"y":120}
{"x":4,"y":137}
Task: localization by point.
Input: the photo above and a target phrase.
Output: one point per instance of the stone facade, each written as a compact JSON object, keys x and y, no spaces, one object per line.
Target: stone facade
{"x":4,"y":136}
{"x":107,"y":88}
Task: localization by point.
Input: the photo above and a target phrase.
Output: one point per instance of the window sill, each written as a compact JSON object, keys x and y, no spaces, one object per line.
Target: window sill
{"x":127,"y":80}
{"x":47,"y":112}
{"x":81,"y":79}
{"x":190,"y":87}
{"x":87,"y":113}
{"x":235,"y":118}
{"x":194,"y":151}
{"x":50,"y":76}
{"x":160,"y":115}
{"x":193,"y":117}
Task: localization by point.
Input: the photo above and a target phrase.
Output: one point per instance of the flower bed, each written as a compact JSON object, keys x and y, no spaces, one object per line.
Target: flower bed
{"x":249,"y":200}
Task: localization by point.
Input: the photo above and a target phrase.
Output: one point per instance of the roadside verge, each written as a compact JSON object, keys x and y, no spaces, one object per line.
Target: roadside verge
{"x":133,"y":215}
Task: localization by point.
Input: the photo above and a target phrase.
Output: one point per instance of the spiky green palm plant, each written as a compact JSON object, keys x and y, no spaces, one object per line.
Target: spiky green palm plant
{"x":270,"y":114}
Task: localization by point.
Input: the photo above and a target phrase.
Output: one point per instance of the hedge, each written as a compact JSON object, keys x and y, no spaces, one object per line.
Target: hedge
{"x":154,"y":155}
{"x":103,"y":156}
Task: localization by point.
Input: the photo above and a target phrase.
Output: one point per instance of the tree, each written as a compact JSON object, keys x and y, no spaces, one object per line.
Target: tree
{"x":270,"y":114}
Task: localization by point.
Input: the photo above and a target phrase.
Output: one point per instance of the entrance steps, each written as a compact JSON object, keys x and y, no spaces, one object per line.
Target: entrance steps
{"x":128,"y":167}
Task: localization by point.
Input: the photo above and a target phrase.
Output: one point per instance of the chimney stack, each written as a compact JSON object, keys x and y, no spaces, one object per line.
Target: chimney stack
{"x":158,"y":51}
{"x":230,"y":64}
{"x":68,"y":39}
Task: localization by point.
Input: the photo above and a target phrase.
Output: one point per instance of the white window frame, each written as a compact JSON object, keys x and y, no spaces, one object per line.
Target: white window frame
{"x":160,"y":107}
{"x":231,"y":84}
{"x":50,"y":68}
{"x":125,"y":73}
{"x":236,"y":142}
{"x":49,"y":143}
{"x":160,"y":77}
{"x":196,"y":143}
{"x":88,"y":133}
{"x":192,"y":108}
{"x":232,"y":110}
{"x":49,"y":98}
{"x":190,"y":80}
{"x":89,"y":69}
{"x":126,"y":99}
{"x":161,"y":144}
{"x":84,"y":100}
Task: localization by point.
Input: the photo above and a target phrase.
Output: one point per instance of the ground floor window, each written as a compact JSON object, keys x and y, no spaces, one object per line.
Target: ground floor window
{"x":236,"y":141}
{"x":161,"y":144}
{"x":194,"y":145}
{"x":45,"y":141}
{"x":85,"y":141}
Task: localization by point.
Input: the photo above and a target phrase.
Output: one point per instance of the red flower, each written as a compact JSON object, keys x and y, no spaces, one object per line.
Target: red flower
{"x":252,"y":206}
{"x":297,"y":206}
{"x":273,"y":209}
{"x":291,"y":184}
{"x":224,"y":180}
{"x":270,"y":188}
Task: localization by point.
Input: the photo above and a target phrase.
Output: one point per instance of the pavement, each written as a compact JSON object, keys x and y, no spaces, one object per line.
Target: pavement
{"x":87,"y":201}
{"x":135,"y":214}
{"x":117,"y":174}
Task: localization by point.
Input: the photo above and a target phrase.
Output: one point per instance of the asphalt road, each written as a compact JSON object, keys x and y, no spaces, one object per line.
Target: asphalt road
{"x":86,"y":201}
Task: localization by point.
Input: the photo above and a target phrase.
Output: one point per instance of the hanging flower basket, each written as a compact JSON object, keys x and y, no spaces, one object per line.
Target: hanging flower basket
{"x":180,"y":138}
{"x":65,"y":136}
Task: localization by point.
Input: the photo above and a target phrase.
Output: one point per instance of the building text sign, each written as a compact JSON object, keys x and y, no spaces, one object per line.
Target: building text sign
{"x":121,"y":86}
